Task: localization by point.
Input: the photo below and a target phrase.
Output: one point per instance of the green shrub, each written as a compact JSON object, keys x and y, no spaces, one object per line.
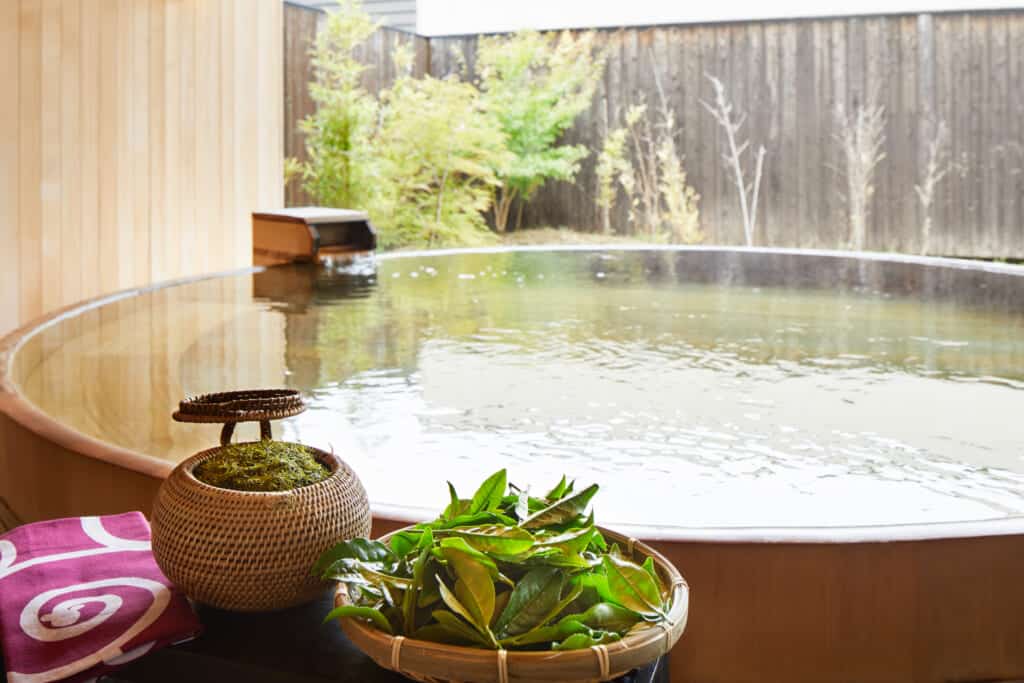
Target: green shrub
{"x":536,"y":85}
{"x":427,"y":158}
{"x":438,"y":149}
{"x":340,"y":136}
{"x":643,"y":158}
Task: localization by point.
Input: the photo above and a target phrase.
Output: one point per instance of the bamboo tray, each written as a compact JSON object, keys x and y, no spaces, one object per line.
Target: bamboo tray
{"x":431,"y":662}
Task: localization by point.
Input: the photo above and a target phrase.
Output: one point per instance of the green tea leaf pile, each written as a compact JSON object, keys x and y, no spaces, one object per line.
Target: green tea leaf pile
{"x":262,"y":466}
{"x":503,"y":569}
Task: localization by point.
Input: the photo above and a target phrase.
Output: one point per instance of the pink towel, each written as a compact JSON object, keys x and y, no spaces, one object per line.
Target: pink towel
{"x":81,"y":596}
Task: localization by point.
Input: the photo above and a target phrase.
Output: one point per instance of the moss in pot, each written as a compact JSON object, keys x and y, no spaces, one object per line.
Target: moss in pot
{"x":262,"y":466}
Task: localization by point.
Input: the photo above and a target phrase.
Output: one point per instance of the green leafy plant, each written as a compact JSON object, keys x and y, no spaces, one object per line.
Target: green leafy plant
{"x":421,"y":157}
{"x":502,"y":569}
{"x":536,"y":85}
{"x":342,"y":169}
{"x":643,"y":157}
{"x":438,"y":150}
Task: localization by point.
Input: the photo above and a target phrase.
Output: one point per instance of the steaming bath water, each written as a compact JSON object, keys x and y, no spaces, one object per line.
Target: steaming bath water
{"x":693,"y":403}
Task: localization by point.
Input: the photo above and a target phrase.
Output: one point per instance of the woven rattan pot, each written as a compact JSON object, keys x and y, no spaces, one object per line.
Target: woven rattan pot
{"x":251,"y":551}
{"x":431,"y":662}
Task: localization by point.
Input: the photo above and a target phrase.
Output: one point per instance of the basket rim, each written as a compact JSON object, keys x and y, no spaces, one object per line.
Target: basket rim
{"x":185,"y":467}
{"x":678,"y":615}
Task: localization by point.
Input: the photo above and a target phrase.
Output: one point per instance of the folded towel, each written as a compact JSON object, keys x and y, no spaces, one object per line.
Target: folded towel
{"x":81,"y":596}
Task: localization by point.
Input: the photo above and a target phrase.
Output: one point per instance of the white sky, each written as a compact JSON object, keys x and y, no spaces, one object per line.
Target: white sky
{"x":454,"y":17}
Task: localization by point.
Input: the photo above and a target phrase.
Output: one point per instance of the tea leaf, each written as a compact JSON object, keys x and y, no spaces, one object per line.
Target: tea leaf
{"x":428,"y":593}
{"x":455,"y":507}
{"x":504,"y":540}
{"x":608,"y":617}
{"x":461,"y":545}
{"x":453,"y":602}
{"x":584,"y":640}
{"x":459,"y":628}
{"x":599,"y":583}
{"x":367,"y":613}
{"x":631,"y":586}
{"x":404,"y":542}
{"x":547,"y":634}
{"x":350,"y":570}
{"x":562,"y":558}
{"x":531,"y":601}
{"x":648,"y":566}
{"x":362,"y":549}
{"x":559,"y":491}
{"x":490,"y":493}
{"x":474,"y":587}
{"x":411,"y":597}
{"x":565,"y":509}
{"x":500,"y":603}
{"x":598,"y":543}
{"x":476,"y":519}
{"x":573,"y":541}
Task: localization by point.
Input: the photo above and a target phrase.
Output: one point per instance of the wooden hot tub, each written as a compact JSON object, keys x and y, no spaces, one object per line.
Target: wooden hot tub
{"x":85,"y":399}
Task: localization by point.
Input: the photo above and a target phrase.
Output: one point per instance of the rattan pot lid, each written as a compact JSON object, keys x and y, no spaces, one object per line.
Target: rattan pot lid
{"x":254,"y":405}
{"x":231,"y":407}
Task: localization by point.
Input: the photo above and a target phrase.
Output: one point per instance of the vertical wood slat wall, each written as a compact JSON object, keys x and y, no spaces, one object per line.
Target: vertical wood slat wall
{"x":135,"y":139}
{"x":961,"y":69}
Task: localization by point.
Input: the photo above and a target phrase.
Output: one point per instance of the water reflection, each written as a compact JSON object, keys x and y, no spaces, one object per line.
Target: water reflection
{"x":760,"y":401}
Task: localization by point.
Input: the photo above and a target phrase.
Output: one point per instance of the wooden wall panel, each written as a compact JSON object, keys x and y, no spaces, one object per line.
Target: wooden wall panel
{"x":135,"y":139}
{"x":10,"y":176}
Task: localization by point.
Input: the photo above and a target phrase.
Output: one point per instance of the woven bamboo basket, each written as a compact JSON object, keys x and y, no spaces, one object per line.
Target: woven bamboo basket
{"x":251,"y":551}
{"x":431,"y":662}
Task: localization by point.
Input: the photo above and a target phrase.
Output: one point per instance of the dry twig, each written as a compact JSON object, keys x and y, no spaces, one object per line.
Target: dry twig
{"x":862,"y":138}
{"x":748,"y":193}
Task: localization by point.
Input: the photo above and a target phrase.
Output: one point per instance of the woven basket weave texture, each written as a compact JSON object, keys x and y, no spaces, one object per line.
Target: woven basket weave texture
{"x":252,"y":551}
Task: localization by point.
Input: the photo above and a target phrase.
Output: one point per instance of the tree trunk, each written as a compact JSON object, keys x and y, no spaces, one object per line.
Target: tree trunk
{"x":503,"y":198}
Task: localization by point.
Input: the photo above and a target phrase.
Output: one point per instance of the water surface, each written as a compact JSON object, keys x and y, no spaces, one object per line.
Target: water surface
{"x":692,"y":403}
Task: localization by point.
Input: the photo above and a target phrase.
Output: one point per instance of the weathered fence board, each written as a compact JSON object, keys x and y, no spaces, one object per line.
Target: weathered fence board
{"x":958,"y":72}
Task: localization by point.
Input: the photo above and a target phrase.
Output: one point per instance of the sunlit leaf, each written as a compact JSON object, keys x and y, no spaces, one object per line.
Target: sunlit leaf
{"x":575,"y":540}
{"x":607,"y":617}
{"x":490,"y":493}
{"x":631,"y":586}
{"x":584,"y":640}
{"x":559,"y":490}
{"x":561,"y":510}
{"x":504,"y":540}
{"x":474,"y":587}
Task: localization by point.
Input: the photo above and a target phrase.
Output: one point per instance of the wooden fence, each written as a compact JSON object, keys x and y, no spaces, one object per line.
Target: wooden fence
{"x":963,"y":72}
